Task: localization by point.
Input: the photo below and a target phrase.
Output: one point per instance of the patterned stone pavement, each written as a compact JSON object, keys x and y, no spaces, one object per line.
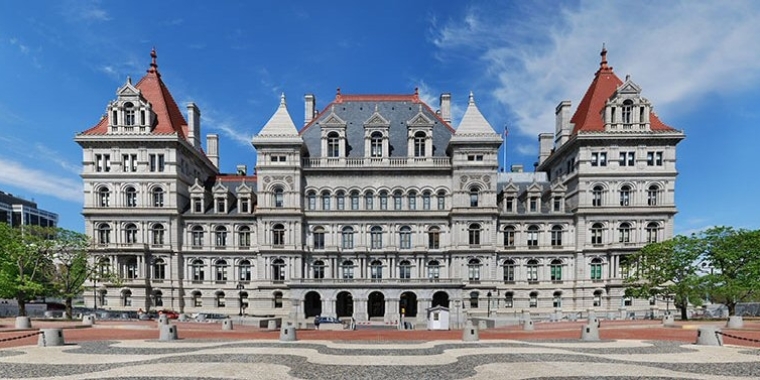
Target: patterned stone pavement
{"x":486,"y":359}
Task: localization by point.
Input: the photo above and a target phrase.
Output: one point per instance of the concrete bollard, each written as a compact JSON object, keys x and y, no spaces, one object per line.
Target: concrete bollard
{"x":528,"y":325}
{"x":525,"y":316}
{"x":288,"y":332}
{"x":88,"y":320}
{"x":168,"y":332}
{"x":50,"y":338}
{"x":23,"y":323}
{"x":227,"y":324}
{"x":470,"y":333}
{"x":669,"y":320}
{"x":272,"y":325}
{"x":163,"y":319}
{"x":590,"y":332}
{"x":482,"y":324}
{"x":735,"y":322}
{"x":709,"y":336}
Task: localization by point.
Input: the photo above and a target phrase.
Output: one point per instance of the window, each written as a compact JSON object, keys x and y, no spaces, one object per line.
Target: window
{"x":625,"y":195}
{"x":126,"y":297}
{"x":319,"y":269}
{"x":434,"y":238}
{"x":347,"y":238}
{"x":626,"y":113}
{"x":245,"y":205}
{"x":354,"y":200}
{"x":383,"y":200}
{"x":598,"y":158}
{"x":510,"y":204}
{"x":509,"y":236}
{"x":197,"y":205}
{"x":325,"y":201}
{"x":278,"y":198}
{"x":104,"y":233}
{"x":103,"y":163}
{"x":627,"y":301}
{"x":557,"y":300}
{"x":509,"y":271}
{"x":412,"y":200}
{"x":347,"y":269}
{"x":220,"y":300}
{"x":426,"y":200}
{"x":652,"y":195}
{"x":405,"y":237}
{"x":368,"y":200}
{"x":652,"y":229}
{"x":433,"y":269}
{"x":244,"y":237}
{"x":555,"y":270}
{"x":277,"y":300}
{"x":419,"y":144}
{"x":104,"y":196}
{"x":441,"y":200}
{"x":376,"y":144}
{"x":198,"y":271}
{"x":129,"y":163}
{"x":220,"y":236}
{"x":533,"y":204}
{"x":397,"y":200}
{"x":278,"y":235}
{"x":333,"y":144}
{"x":158,"y":197}
{"x":627,"y":158}
{"x":532,"y":271}
{"x":624,"y":232}
{"x":278,"y":270}
{"x":533,"y":236}
{"x":596,"y":233}
{"x":129,"y":113}
{"x":598,"y":298}
{"x":340,"y":199}
{"x":474,"y":300}
{"x":474,"y":197}
{"x":557,"y":204}
{"x":556,"y":236}
{"x":158,"y":298}
{"x":220,"y":271}
{"x":473,"y":270}
{"x":596,"y":269}
{"x":405,"y":270}
{"x":596,"y":196}
{"x":509,"y":300}
{"x":376,"y":270}
{"x":130,"y":268}
{"x":311,"y":200}
{"x":319,"y":238}
{"x":156,"y":162}
{"x":130,"y":197}
{"x":474,"y":234}
{"x":197,"y":233}
{"x":533,"y":300}
{"x":244,"y":270}
{"x":157,"y":234}
{"x":197,"y":300}
{"x":376,"y":237}
{"x":221,"y":205}
{"x":130,"y":234}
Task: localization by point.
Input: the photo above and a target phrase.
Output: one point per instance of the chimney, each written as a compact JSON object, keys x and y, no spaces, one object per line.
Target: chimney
{"x":544,"y":146}
{"x":194,"y":125}
{"x":310,"y":105}
{"x":212,"y":145}
{"x":562,"y":123}
{"x":446,"y":107}
{"x":516,"y":168}
{"x":242,"y":169}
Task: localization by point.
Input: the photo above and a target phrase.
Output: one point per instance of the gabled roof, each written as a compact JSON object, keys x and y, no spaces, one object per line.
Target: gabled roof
{"x":588,"y":116}
{"x":473,"y":122}
{"x":169,"y":119}
{"x":280,"y":124}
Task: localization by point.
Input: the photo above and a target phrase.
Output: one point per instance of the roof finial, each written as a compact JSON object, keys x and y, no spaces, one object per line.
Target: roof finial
{"x":337,"y":91}
{"x":603,"y":64}
{"x":472,"y":98}
{"x":375,"y":107}
{"x":153,"y":64}
{"x":416,"y":91}
{"x":282,"y":99}
{"x":129,"y":79}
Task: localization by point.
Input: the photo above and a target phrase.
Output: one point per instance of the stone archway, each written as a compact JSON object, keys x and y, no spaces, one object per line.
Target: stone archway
{"x":376,"y":305}
{"x":312,"y":304}
{"x":407,"y":304}
{"x":344,"y":305}
{"x":440,"y":298}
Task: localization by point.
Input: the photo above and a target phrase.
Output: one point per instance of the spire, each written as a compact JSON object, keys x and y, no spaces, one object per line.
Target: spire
{"x":280,"y":124}
{"x":282,"y":99}
{"x":603,"y":67}
{"x":153,"y":65}
{"x":472,"y":99}
{"x":473,"y":122}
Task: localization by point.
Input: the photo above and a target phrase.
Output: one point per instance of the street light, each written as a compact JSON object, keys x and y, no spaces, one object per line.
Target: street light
{"x":489,"y":303}
{"x":240,"y":288}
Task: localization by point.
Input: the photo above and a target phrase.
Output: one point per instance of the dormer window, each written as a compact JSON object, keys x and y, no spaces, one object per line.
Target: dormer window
{"x":376,"y":144}
{"x":129,"y":114}
{"x":198,"y":205}
{"x":419,"y":144}
{"x":626,"y":114}
{"x":333,"y":144}
{"x":221,"y":205}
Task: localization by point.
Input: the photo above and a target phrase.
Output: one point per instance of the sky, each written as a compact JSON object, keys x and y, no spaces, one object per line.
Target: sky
{"x":698,"y":62}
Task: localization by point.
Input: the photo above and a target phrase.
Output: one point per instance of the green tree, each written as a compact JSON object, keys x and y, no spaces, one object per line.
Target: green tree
{"x":23,"y":263}
{"x":70,"y":266}
{"x":733,"y":259}
{"x":667,"y":269}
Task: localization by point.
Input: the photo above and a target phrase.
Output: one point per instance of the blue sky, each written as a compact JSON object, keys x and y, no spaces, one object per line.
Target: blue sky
{"x":697,"y":61}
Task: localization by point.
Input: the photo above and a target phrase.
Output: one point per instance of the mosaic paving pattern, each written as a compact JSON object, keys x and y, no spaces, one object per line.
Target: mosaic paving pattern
{"x":503,"y":359}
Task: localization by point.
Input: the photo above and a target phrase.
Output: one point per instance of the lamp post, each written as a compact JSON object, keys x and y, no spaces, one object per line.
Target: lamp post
{"x":240,"y":288}
{"x":489,"y":303}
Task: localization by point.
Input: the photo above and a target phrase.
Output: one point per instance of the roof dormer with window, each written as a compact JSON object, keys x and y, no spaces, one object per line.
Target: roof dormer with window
{"x":376,"y":134}
{"x":198,"y":198}
{"x":333,"y":136}
{"x":221,"y":198}
{"x":420,"y":135}
{"x":626,"y":110}
{"x":130,"y":112}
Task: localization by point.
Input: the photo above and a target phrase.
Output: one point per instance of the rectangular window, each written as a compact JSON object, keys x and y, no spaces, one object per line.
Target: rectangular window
{"x":557,"y":204}
{"x":319,"y":240}
{"x":533,"y":204}
{"x":654,"y":158}
{"x":510,"y":204}
{"x":594,"y":159}
{"x":244,"y":205}
{"x":156,"y":162}
{"x":441,"y":202}
{"x":220,"y":205}
{"x":103,"y":163}
{"x":129,"y":163}
{"x":197,"y":205}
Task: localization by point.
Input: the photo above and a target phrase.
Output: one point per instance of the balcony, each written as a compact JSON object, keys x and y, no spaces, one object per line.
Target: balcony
{"x":373,"y":162}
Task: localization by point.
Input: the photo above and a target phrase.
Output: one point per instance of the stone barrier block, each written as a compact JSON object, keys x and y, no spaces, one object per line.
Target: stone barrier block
{"x":669,"y":320}
{"x":163,"y":319}
{"x":288,"y":332}
{"x":50,"y":338}
{"x":590,"y":333}
{"x":482,"y":324}
{"x":709,"y":336}
{"x":227,"y":324}
{"x":735,"y":322}
{"x":88,"y":320}
{"x":528,"y":325}
{"x":183,"y":318}
{"x":272,"y":325}
{"x":168,"y":332}
{"x":470,"y":333}
{"x":23,"y":323}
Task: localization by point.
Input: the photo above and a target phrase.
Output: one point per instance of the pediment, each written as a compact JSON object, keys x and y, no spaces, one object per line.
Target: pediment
{"x":534,"y":188}
{"x":629,"y":88}
{"x":219,"y":188}
{"x":128,"y":90}
{"x":333,"y":120}
{"x":420,"y":120}
{"x":243,"y":189}
{"x":377,"y":120}
{"x":197,"y":187}
{"x":558,"y":187}
{"x":511,"y":188}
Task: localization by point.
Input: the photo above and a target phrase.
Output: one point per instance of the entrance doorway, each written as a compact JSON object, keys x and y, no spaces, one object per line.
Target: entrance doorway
{"x":344,"y":305}
{"x":376,"y":305}
{"x":312,"y":304}
{"x":441,"y":299}
{"x":407,"y":304}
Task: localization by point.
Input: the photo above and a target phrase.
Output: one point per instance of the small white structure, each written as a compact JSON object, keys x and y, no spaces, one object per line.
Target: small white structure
{"x":438,"y":318}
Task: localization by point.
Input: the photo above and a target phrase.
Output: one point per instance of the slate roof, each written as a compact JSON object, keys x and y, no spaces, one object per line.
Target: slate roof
{"x":232,"y":182}
{"x":355,"y":110}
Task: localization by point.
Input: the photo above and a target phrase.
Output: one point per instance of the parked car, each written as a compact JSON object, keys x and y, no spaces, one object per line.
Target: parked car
{"x":171,"y":314}
{"x":320,"y":320}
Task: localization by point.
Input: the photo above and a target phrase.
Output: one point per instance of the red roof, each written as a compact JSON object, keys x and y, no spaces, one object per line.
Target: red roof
{"x":236,"y":178}
{"x":588,"y":116}
{"x":169,"y":119}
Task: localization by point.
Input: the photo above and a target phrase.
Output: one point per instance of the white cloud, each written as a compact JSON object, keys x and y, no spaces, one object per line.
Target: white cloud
{"x":527,"y":149}
{"x":50,"y":155}
{"x":38,"y":182}
{"x":544,"y":56}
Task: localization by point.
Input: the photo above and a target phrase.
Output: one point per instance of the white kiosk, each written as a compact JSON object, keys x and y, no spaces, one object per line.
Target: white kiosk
{"x":438,"y":318}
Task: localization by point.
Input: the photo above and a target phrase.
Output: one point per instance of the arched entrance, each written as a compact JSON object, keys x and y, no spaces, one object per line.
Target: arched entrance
{"x":344,"y":305}
{"x":376,"y":305}
{"x":441,"y":299}
{"x":407,"y":304}
{"x":312,"y":304}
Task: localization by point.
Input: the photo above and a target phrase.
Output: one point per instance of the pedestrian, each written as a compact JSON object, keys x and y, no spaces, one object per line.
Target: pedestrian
{"x":316,"y":322}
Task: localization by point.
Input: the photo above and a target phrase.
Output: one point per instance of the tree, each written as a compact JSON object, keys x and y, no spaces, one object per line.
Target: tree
{"x":667,"y":269}
{"x":733,"y":257}
{"x":70,"y":266}
{"x":23,"y":262}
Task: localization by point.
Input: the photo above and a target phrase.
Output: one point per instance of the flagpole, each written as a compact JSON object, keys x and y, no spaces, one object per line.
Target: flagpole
{"x":504,"y":163}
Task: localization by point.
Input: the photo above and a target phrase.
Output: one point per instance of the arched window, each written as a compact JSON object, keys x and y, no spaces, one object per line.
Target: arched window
{"x":412,"y":198}
{"x":244,"y":237}
{"x":104,"y":233}
{"x":598,"y":298}
{"x":354,"y":200}
{"x":376,"y":144}
{"x":596,"y":269}
{"x":277,"y":300}
{"x":197,"y":300}
{"x":325,"y":201}
{"x":652,"y":232}
{"x":319,"y":238}
{"x":278,"y":198}
{"x":157,"y":234}
{"x":434,"y":238}
{"x":556,"y":236}
{"x":197,"y":233}
{"x":532,"y":271}
{"x":158,"y":197}
{"x":509,"y":271}
{"x":474,"y":296}
{"x":130,"y":197}
{"x":244,"y":271}
{"x":126,"y":297}
{"x":404,"y":270}
{"x":278,"y":235}
{"x":376,"y":237}
{"x":596,"y":195}
{"x":474,"y":233}
{"x":426,"y":200}
{"x":419,"y":144}
{"x":626,"y":114}
{"x":129,"y":114}
{"x":405,"y":237}
{"x":652,"y":193}
{"x":221,"y":236}
{"x":624,"y":231}
{"x":347,"y":269}
{"x":376,"y":270}
{"x":509,"y":300}
{"x":319,"y":269}
{"x":158,"y":298}
{"x":278,"y":270}
{"x":220,"y":271}
{"x":509,"y":236}
{"x":130,"y":268}
{"x":340,"y":199}
{"x":596,"y":233}
{"x":533,"y":300}
{"x":220,"y":300}
{"x":369,"y":198}
{"x":104,"y":197}
{"x":397,"y":200}
{"x":433,"y":269}
{"x":198,"y":271}
{"x":441,"y":200}
{"x":555,"y":270}
{"x":383,"y":200}
{"x":473,"y":270}
{"x":333,"y":144}
{"x":625,"y":195}
{"x":159,"y":269}
{"x":130,"y":233}
{"x":311,"y":200}
{"x":533,"y":236}
{"x":557,"y":300}
{"x":347,"y":238}
{"x":474,"y":197}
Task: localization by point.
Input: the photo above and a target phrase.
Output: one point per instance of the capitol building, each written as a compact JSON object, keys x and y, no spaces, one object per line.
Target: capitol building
{"x":375,"y":207}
